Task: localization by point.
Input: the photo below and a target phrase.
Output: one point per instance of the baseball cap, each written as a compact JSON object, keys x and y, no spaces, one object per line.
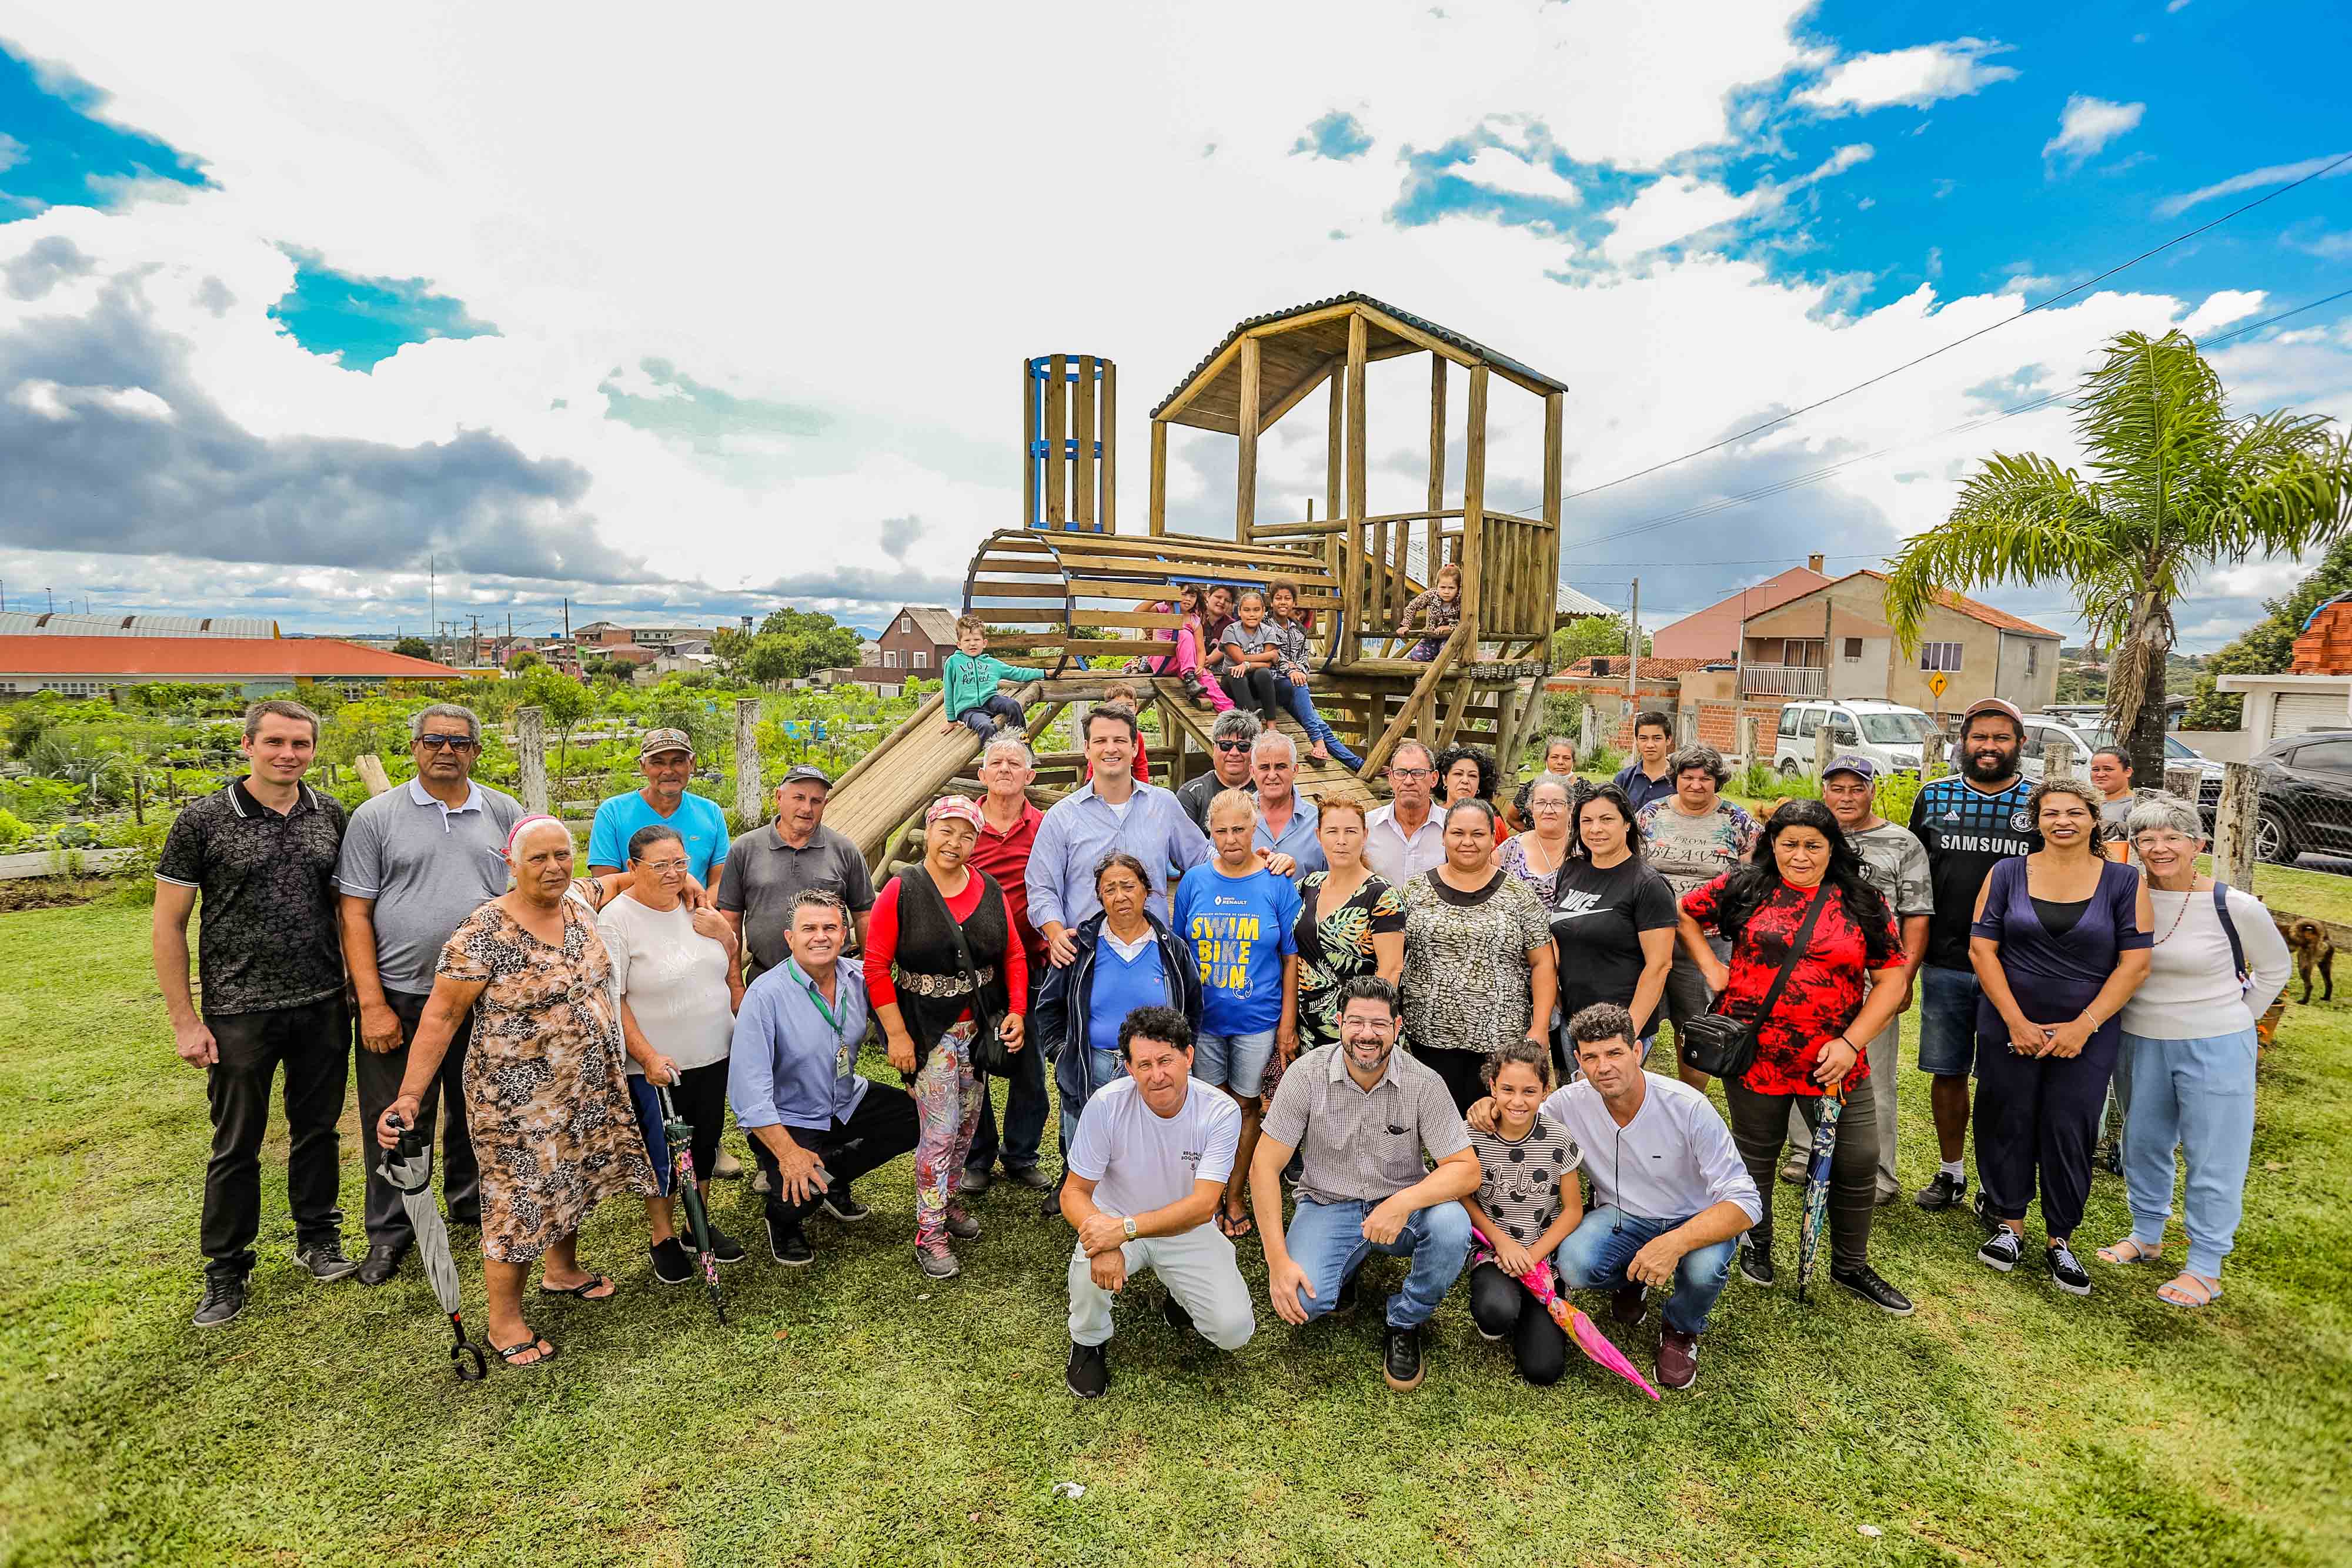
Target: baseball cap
{"x":960,"y":807}
{"x":2002,"y":705}
{"x":805,"y":774}
{"x":657,"y":741}
{"x":1853,"y":762}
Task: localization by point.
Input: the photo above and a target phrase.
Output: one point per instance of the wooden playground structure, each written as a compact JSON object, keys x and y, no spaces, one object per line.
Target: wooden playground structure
{"x":1068,"y":593}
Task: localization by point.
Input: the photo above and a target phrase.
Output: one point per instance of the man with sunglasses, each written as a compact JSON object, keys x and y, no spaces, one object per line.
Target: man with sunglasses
{"x":415,"y":861}
{"x":1405,"y":838}
{"x":1235,"y":733}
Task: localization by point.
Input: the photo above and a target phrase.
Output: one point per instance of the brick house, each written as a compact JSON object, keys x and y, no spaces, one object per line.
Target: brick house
{"x":1834,"y":641}
{"x":1713,"y":632}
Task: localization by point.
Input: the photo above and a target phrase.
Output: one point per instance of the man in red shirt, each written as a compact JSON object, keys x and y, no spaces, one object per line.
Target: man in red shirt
{"x":1008,"y":827}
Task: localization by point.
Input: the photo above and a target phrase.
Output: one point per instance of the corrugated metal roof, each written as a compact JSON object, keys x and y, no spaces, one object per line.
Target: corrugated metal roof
{"x":34,"y":622}
{"x":1445,"y":334}
{"x":210,"y":658}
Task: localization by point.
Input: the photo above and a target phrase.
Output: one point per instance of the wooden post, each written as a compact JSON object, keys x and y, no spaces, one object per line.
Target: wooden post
{"x":1082,"y":465}
{"x":1547,"y":550}
{"x":750,"y":800}
{"x":1058,"y":426}
{"x":2184,"y":781}
{"x":1822,"y":749}
{"x":1473,"y":507}
{"x":370,"y":767}
{"x":530,"y":751}
{"x":139,"y":796}
{"x":1246,"y":468}
{"x":1750,"y":740}
{"x":1351,"y":589}
{"x":1586,"y":746}
{"x":2235,"y":822}
{"x":1155,"y":516}
{"x":1106,"y":513}
{"x":2057,"y":758}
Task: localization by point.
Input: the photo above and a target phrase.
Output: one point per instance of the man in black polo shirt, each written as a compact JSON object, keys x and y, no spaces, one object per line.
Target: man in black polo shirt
{"x":262,"y":854}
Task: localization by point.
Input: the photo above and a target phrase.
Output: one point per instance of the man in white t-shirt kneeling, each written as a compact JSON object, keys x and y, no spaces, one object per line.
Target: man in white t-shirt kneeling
{"x":1148,"y":1167}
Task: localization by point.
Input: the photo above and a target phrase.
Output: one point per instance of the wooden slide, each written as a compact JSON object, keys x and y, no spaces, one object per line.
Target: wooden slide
{"x":909,"y":769}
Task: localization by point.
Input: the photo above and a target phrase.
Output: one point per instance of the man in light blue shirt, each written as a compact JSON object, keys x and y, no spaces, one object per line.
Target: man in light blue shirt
{"x":792,"y":1075}
{"x":1110,"y":812}
{"x":665,"y":757}
{"x":1285,"y":819}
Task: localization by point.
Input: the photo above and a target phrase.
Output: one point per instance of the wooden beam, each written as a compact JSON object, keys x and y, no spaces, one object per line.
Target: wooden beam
{"x":1335,"y":454}
{"x":1351,"y":589}
{"x":1525,"y":383}
{"x":1297,"y":394}
{"x":1454,"y":714}
{"x":1416,"y":336}
{"x":1245,"y":467}
{"x":1473,"y":498}
{"x":1057,"y":424}
{"x":1107,"y":512}
{"x":1547,"y":547}
{"x":1082,"y":465}
{"x":1156,"y":514}
{"x":1434,"y":672}
{"x":1199,"y":383}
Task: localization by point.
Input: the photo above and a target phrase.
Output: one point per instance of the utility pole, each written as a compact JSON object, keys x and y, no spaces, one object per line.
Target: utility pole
{"x":567,"y":617}
{"x":474,"y":656}
{"x":1829,"y":625}
{"x":433,"y":597}
{"x":1634,"y":652}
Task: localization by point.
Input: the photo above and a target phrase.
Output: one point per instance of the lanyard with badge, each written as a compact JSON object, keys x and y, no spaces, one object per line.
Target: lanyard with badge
{"x":842,"y":1053}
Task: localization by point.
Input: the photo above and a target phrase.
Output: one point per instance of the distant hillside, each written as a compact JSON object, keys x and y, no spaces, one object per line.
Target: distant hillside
{"x":2083,"y":675}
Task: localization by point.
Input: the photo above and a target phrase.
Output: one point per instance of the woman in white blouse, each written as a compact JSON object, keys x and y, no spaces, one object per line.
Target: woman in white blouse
{"x":2188,"y":1049}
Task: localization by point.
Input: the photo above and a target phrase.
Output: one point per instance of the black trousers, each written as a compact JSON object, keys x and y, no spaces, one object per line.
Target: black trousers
{"x":1501,"y":1305}
{"x":1254,"y":688}
{"x":701,"y":1096}
{"x":311,"y":1042}
{"x":1026,"y":1104}
{"x":2040,"y":1116}
{"x":445,"y":1100}
{"x":883,"y":1127}
{"x":1463,"y":1072}
{"x":1759,"y":1127}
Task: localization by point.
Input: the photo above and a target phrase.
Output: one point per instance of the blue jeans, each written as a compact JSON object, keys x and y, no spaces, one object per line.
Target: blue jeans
{"x":984,"y":719}
{"x":1327,"y":1240}
{"x":2197,"y":1096}
{"x":1594,"y":1256}
{"x":1948,"y":1020}
{"x":1232,"y":1061}
{"x":1301,"y":704}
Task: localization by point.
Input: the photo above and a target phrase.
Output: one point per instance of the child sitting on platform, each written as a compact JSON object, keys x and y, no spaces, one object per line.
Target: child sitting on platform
{"x":968,"y":684}
{"x":1440,"y":608}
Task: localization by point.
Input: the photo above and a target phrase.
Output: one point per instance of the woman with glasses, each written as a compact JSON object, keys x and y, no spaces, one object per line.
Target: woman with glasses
{"x":1350,"y":921}
{"x":675,"y":971}
{"x":1478,"y":968}
{"x":1613,"y":918}
{"x":1536,"y":856}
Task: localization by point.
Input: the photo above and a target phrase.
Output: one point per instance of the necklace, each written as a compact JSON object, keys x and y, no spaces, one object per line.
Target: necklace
{"x":2186,"y":899}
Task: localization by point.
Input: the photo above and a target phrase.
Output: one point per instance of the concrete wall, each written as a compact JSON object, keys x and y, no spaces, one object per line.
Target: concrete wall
{"x":2221,"y":744}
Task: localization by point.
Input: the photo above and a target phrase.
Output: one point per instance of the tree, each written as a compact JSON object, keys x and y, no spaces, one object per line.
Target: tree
{"x":1593,"y":635}
{"x":413,"y":648}
{"x":2177,"y":486}
{"x":565,"y":701}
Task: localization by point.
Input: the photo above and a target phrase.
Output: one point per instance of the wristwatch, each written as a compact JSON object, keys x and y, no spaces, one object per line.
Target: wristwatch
{"x":1127,"y":1226}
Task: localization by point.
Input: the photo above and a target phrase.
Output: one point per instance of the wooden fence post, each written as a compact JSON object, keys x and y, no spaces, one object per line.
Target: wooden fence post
{"x":1750,"y":739}
{"x":2057,"y":758}
{"x":1585,"y":745}
{"x":2183,"y":780}
{"x":750,"y":800}
{"x":2235,"y":822}
{"x":531,"y":752}
{"x":370,"y":767}
{"x":1822,"y":752}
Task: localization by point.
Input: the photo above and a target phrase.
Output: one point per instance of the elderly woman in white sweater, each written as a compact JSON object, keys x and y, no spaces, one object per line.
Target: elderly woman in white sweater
{"x":2189,"y":1048}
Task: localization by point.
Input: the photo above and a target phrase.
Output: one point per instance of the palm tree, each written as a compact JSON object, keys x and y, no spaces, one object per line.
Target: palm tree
{"x":2177,"y":486}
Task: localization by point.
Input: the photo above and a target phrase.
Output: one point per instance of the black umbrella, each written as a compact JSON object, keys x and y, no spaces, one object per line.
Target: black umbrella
{"x":408,"y":1166}
{"x":698,"y":1221}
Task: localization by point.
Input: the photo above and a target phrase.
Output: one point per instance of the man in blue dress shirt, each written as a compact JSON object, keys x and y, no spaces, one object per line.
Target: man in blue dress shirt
{"x":1112,"y":810}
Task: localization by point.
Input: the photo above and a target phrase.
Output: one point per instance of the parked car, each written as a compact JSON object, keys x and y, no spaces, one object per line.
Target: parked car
{"x":2306,"y":796}
{"x":2083,"y":739}
{"x":2178,"y":753}
{"x":1887,"y":733}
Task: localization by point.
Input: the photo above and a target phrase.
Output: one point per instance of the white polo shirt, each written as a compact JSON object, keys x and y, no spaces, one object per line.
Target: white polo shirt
{"x":1399,"y":856}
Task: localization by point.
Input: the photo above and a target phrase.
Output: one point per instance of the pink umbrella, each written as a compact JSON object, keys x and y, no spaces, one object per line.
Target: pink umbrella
{"x":1579,"y":1328}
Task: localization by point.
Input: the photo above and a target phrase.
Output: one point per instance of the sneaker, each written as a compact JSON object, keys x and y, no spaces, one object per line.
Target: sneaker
{"x":1489,"y":1335}
{"x":1030,"y":1176}
{"x":1089,"y":1371}
{"x":1982,"y":1209}
{"x":724,"y":1249}
{"x":325,"y":1261}
{"x":759,"y":1183}
{"x":2109,"y":1156}
{"x":1172,"y":1313}
{"x":672,"y":1264}
{"x":1863,"y":1281}
{"x":1051,"y":1208}
{"x":936,"y":1262}
{"x":972,"y":1184}
{"x":1628,"y":1303}
{"x":1887,"y":1194}
{"x":1755,"y":1263}
{"x":842,"y":1205}
{"x":1794,"y":1168}
{"x":962,"y":1224}
{"x":1943,"y":1191}
{"x":1401,"y":1358}
{"x":223,"y":1299}
{"x":788,"y":1244}
{"x":1678,"y":1358}
{"x":2002,"y":1252}
{"x":726,"y":1167}
{"x":1295,"y":1170}
{"x":380,"y":1264}
{"x":2067,"y":1270}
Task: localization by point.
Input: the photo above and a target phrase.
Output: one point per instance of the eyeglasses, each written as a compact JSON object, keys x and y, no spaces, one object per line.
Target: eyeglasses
{"x":1413,"y":772}
{"x":446,"y":742}
{"x":663,"y":868}
{"x":1233,"y":746}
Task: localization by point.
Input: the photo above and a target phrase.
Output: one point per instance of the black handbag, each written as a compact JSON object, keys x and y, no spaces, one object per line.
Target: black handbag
{"x":987,"y":1050}
{"x":1722,"y":1046}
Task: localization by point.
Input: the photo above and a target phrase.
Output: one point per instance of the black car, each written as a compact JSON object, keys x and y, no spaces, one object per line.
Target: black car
{"x":2306,"y":796}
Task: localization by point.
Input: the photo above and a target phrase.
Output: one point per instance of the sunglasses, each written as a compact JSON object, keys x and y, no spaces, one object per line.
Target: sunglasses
{"x":446,"y":743}
{"x":1234,"y":744}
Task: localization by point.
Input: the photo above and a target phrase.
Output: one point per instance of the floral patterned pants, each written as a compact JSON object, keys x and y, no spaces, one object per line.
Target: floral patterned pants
{"x":947,"y":1100}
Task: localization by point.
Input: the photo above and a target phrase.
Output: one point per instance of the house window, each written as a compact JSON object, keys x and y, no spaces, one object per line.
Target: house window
{"x":1945,"y":656}
{"x":1852,"y":655}
{"x":2033,"y":658}
{"x":889,"y":658}
{"x":1802,"y":652}
{"x":906,"y":623}
{"x":922,"y":659}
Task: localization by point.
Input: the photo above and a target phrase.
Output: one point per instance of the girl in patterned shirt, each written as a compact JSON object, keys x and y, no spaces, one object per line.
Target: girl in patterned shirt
{"x":1527,"y":1201}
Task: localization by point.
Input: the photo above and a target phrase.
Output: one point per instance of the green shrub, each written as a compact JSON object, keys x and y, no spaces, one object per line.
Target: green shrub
{"x":1604,"y":760}
{"x":13,"y":830}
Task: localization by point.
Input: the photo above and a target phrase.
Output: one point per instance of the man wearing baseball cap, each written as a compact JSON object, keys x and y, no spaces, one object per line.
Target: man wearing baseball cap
{"x":767,"y":867}
{"x":1893,"y":862}
{"x":665,"y":757}
{"x":1967,"y":823}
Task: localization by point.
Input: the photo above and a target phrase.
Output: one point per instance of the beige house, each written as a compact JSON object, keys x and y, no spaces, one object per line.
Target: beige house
{"x":1834,"y":641}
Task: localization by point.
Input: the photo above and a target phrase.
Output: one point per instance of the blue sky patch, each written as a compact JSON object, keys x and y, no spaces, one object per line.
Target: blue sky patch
{"x":1337,"y":135}
{"x":55,"y":150}
{"x":668,"y":403}
{"x":366,"y":321}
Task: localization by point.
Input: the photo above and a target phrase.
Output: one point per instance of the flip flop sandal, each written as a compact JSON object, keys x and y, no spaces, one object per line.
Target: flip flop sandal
{"x":2113,"y":1252}
{"x":547,"y":1353}
{"x":2182,"y":1297}
{"x":592,"y":1283}
{"x":1235,"y":1230}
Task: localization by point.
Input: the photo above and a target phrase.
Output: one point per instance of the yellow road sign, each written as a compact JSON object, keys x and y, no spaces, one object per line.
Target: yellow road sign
{"x":1937,"y":682}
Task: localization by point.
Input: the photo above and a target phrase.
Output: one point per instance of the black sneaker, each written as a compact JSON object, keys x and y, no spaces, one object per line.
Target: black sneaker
{"x":724,"y":1249}
{"x":223,"y":1299}
{"x":788,"y":1244}
{"x":325,"y":1261}
{"x":380,"y":1264}
{"x":1030,"y":1176}
{"x":1755,"y":1263}
{"x":1089,"y":1371}
{"x":2067,"y":1270}
{"x":842,"y":1205}
{"x":1628,"y":1303}
{"x":1943,"y":1191}
{"x":1346,"y":1302}
{"x":2002,"y":1252}
{"x":1050,"y":1207}
{"x":1865,"y":1283}
{"x":672,"y":1264}
{"x":1172,"y":1313}
{"x":2109,"y":1156}
{"x":1982,"y":1209}
{"x":1401,"y":1358}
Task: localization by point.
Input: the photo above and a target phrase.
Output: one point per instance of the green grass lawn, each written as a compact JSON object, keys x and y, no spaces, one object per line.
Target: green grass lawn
{"x":854,"y":1413}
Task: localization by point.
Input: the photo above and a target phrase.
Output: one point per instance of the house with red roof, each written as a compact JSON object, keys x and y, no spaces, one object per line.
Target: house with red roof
{"x":1713,"y":632}
{"x":1834,"y":641}
{"x":93,"y":666}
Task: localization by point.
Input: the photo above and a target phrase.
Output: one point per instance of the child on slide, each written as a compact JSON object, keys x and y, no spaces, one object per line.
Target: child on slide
{"x":968,"y":685}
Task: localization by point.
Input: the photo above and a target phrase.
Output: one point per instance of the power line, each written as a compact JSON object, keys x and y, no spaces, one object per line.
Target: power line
{"x":1959,"y":343}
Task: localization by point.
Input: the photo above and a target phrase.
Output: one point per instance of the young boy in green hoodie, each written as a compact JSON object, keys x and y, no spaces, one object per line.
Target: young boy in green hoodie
{"x":968,"y":683}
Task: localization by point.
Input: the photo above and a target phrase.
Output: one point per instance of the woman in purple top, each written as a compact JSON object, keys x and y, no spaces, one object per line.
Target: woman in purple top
{"x":2059,"y":944}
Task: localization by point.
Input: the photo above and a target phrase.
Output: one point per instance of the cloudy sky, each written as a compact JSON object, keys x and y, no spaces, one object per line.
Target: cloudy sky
{"x":710,"y":313}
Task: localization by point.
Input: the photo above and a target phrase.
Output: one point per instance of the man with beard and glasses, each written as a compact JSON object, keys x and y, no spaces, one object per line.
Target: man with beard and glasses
{"x":1967,"y":824}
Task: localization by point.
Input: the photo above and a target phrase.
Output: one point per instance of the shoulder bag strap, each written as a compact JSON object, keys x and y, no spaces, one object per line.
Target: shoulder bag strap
{"x":1797,"y":947}
{"x":2229,"y":928}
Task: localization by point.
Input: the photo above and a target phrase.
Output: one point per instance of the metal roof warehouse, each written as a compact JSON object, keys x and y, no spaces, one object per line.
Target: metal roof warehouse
{"x":90,"y":666}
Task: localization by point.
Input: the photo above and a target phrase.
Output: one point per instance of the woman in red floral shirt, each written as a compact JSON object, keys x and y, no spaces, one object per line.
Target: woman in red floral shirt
{"x":1846,"y":988}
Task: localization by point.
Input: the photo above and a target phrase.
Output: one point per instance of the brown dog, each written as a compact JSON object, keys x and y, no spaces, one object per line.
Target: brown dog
{"x":2308,"y":941}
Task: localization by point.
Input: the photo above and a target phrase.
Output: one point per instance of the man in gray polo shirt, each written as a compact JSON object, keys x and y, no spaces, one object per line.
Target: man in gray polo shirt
{"x":1364,"y":1117}
{"x":770,"y":866}
{"x":416,"y":860}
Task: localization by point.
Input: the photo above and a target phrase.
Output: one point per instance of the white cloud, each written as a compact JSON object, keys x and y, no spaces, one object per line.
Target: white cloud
{"x":2087,"y":124}
{"x":1499,"y":169}
{"x":1915,"y":76}
{"x":12,"y":152}
{"x":2221,"y":308}
{"x":1670,"y":209}
{"x":2255,"y":180}
{"x":1837,"y":163}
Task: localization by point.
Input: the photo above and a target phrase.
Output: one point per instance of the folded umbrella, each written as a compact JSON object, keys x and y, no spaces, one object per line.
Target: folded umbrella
{"x":1817,"y":1184}
{"x":408,"y":1167}
{"x":680,"y":1138}
{"x":1596,"y":1346}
